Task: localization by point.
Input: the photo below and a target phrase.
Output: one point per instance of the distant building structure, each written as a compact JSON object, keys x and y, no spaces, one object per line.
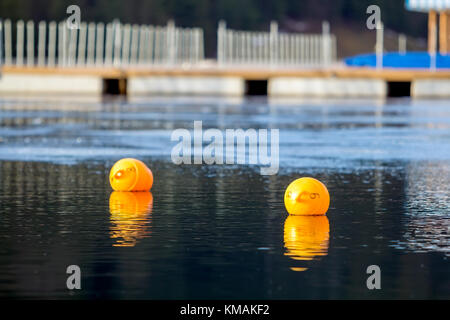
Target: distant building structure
{"x":435,"y":8}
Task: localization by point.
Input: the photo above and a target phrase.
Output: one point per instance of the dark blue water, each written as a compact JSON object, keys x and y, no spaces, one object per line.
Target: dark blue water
{"x":221,"y":231}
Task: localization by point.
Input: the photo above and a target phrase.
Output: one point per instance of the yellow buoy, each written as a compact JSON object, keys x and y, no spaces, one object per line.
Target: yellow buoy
{"x":307,"y":196}
{"x":306,"y":237}
{"x":130,"y":175}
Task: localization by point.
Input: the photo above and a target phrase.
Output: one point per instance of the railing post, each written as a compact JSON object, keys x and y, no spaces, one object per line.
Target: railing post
{"x":177,"y":45}
{"x":291,"y":49}
{"x":280,"y":51}
{"x":117,"y":43}
{"x":1,"y":43}
{"x":109,"y":44}
{"x":134,"y":44}
{"x":154,"y":36}
{"x":170,"y":32}
{"x":249,"y":47}
{"x":201,"y":43}
{"x":326,"y":46}
{"x":30,"y":43}
{"x":273,"y":43}
{"x":229,"y":46}
{"x":82,"y":33}
{"x":61,"y":44}
{"x":333,"y":48}
{"x":41,"y":43}
{"x":196,"y":44}
{"x":297,"y":50}
{"x":90,"y":44}
{"x":51,"y":43}
{"x":99,"y":38}
{"x":151,"y":49}
{"x":157,"y":47}
{"x":142,"y":44}
{"x":71,"y":45}
{"x":126,"y":45}
{"x":191,"y":41}
{"x":8,"y":42}
{"x":379,"y":47}
{"x":402,"y":44}
{"x":19,"y":43}
{"x":221,"y":44}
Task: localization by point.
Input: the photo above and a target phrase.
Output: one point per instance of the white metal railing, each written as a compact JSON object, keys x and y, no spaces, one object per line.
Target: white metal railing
{"x":1,"y":43}
{"x":274,"y":48}
{"x":98,"y":45}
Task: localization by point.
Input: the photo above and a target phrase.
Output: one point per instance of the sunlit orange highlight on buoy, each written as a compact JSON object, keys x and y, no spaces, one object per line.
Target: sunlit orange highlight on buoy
{"x":307,"y":196}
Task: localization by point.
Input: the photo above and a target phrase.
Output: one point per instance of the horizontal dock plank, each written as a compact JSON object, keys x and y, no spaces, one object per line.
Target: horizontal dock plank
{"x":250,"y":73}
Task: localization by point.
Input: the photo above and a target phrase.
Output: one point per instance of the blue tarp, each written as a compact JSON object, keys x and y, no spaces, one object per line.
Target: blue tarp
{"x":397,"y":60}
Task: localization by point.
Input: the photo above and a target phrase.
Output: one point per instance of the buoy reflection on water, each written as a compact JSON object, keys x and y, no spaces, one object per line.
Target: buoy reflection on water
{"x":306,"y":238}
{"x":130,"y":217}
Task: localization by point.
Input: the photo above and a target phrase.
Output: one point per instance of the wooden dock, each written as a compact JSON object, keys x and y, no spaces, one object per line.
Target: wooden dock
{"x":249,"y":73}
{"x":213,"y":79}
{"x":96,"y":59}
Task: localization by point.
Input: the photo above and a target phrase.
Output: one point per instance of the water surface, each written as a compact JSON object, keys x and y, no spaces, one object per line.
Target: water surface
{"x":221,"y":231}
